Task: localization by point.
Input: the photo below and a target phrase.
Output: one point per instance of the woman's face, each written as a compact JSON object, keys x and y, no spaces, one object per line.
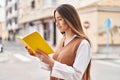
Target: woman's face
{"x":60,"y":22}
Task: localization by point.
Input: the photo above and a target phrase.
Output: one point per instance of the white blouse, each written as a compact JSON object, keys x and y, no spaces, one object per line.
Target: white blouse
{"x":80,"y":64}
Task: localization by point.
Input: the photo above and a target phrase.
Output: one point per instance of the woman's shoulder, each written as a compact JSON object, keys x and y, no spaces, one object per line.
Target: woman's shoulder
{"x":84,"y":42}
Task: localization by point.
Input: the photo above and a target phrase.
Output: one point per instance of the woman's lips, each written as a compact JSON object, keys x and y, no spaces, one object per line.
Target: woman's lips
{"x":59,"y":26}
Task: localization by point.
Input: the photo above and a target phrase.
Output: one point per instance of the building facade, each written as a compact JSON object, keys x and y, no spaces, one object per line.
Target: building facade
{"x":96,"y":14}
{"x":2,"y":22}
{"x":38,"y":15}
{"x":11,"y":18}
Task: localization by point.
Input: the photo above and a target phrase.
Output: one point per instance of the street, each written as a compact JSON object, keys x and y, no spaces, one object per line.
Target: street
{"x":17,"y":64}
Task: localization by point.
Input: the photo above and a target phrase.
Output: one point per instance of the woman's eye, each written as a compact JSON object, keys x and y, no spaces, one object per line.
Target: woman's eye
{"x":60,"y":19}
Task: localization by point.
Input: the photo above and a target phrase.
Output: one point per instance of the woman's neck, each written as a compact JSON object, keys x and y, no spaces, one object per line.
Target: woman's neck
{"x":68,"y":37}
{"x":69,"y":34}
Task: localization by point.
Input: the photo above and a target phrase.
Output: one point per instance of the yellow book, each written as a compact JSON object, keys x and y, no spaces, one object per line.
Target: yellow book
{"x":34,"y":40}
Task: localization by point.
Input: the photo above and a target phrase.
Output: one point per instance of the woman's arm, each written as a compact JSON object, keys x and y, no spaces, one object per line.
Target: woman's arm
{"x":49,"y":66}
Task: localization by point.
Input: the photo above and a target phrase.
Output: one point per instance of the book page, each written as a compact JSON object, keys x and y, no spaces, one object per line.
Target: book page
{"x":35,"y":40}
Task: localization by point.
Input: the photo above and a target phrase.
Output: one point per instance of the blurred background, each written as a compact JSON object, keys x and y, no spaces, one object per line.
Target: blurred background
{"x":99,"y":18}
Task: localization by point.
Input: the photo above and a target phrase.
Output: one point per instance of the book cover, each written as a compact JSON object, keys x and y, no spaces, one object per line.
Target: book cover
{"x":34,"y":40}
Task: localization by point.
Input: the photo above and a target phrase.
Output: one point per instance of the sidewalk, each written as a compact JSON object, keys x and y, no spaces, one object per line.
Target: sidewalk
{"x":4,"y":57}
{"x":105,"y":56}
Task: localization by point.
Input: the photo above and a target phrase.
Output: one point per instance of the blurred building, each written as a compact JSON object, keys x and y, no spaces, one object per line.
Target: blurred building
{"x":38,"y":15}
{"x":12,"y":18}
{"x":0,"y":29}
{"x":96,"y":14}
{"x":2,"y":21}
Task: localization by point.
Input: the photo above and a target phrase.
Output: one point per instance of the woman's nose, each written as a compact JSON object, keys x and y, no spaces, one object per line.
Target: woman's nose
{"x":57,"y":23}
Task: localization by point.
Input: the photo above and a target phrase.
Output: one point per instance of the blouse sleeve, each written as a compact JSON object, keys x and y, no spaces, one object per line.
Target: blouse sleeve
{"x":44,"y":65}
{"x":76,"y":71}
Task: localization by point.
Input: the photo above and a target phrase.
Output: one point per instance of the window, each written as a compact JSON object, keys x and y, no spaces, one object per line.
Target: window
{"x":15,"y":19}
{"x":10,"y":9}
{"x":49,"y":3}
{"x":10,"y":21}
{"x":15,"y":6}
{"x":33,"y":4}
{"x":7,"y":22}
{"x":54,"y":2}
{"x":46,"y":31}
{"x":6,"y":13}
{"x":6,"y":2}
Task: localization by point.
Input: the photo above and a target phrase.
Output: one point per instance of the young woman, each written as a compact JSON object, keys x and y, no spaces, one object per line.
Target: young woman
{"x":72,"y":57}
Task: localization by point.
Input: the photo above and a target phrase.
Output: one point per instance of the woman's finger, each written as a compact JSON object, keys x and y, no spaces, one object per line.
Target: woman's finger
{"x":30,"y":51}
{"x":26,"y":47}
{"x":41,"y":52}
{"x":40,"y":56}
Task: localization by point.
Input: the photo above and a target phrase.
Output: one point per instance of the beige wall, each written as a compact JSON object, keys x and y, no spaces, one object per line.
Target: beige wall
{"x":115,"y":16}
{"x":114,"y":38}
{"x":92,"y":30}
{"x":0,"y":29}
{"x":3,"y":33}
{"x":75,"y":3}
{"x":27,"y":14}
{"x":97,"y":30}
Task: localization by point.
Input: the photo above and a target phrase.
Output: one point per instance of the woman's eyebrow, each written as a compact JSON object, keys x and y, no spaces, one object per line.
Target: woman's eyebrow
{"x":57,"y":17}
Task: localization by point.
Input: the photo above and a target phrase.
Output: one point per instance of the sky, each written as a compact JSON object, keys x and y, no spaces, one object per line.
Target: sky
{"x":2,"y":2}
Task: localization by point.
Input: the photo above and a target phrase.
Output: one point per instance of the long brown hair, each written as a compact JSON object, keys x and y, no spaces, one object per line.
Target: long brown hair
{"x":71,"y":17}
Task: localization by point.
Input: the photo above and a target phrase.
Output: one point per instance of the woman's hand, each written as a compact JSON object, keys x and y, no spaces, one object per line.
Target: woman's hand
{"x":30,"y":51}
{"x":44,"y":57}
